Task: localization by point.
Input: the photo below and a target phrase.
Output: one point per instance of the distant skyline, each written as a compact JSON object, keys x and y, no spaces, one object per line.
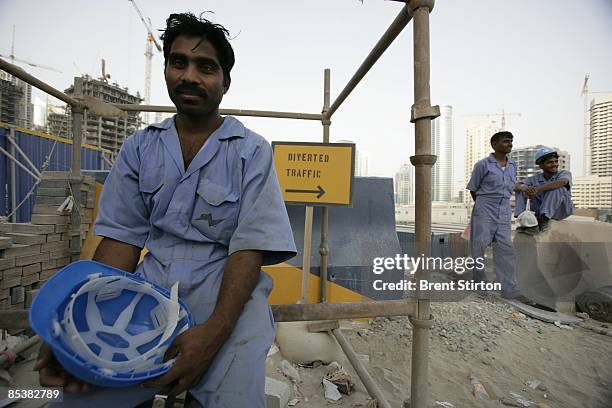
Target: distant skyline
{"x":486,"y":55}
{"x":442,"y":139}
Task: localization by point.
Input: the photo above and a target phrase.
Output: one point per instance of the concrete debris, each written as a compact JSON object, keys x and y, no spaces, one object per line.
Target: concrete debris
{"x":522,"y":401}
{"x":273,"y":350}
{"x":340,"y":378}
{"x":509,"y":402}
{"x":563,"y":326}
{"x":277,"y":393}
{"x":311,"y":364}
{"x":443,"y":404}
{"x":290,"y":371}
{"x":333,"y":367}
{"x":583,"y":315}
{"x":364,"y":358}
{"x":293,"y":402}
{"x":533,"y":384}
{"x":331,"y":391}
{"x":299,"y":346}
{"x":479,"y":391}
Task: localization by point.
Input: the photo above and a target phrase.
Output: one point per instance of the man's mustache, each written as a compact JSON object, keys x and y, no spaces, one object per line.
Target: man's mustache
{"x":185,"y":88}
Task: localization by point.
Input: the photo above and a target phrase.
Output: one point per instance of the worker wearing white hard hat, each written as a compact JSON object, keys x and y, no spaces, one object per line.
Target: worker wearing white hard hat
{"x":549,"y":191}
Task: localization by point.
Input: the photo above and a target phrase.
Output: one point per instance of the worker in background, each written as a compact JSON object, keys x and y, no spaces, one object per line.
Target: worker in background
{"x":201,"y":192}
{"x":491,"y":186}
{"x":549,"y":192}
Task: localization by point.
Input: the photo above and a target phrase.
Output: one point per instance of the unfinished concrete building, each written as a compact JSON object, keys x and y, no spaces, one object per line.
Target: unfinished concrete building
{"x":108,"y":133}
{"x":15,"y":101}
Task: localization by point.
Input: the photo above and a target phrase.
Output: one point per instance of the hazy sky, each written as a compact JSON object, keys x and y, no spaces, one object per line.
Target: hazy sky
{"x":523,"y":56}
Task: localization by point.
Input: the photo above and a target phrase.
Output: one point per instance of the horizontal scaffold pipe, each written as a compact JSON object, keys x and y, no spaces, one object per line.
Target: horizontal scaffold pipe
{"x":235,"y":112}
{"x":17,"y":72}
{"x":346,"y":310}
{"x":396,"y":27}
{"x":18,"y":319}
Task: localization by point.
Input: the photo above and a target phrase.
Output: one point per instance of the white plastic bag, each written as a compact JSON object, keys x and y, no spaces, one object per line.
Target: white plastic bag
{"x":527,"y":218}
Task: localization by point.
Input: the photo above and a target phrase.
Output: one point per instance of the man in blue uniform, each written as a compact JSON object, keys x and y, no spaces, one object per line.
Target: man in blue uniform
{"x":200,"y":192}
{"x":491,"y":186}
{"x":549,"y":191}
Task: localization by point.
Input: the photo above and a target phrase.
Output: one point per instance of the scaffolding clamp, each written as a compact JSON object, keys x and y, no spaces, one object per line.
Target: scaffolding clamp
{"x":421,"y":112}
{"x":421,"y":160}
{"x":422,"y":323}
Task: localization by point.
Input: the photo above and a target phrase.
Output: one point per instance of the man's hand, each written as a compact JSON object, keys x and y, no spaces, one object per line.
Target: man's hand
{"x":52,"y":374}
{"x":531,"y":191}
{"x":196,"y":349}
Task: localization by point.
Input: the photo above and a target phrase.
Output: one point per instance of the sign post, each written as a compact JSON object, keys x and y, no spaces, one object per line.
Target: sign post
{"x":314,"y":174}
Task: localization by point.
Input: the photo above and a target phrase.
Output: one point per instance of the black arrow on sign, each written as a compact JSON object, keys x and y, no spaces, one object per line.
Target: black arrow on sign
{"x":319,"y":191}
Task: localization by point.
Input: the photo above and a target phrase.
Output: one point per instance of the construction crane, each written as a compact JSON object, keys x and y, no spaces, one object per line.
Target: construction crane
{"x":148,"y":54}
{"x":586,"y":165}
{"x":11,"y":57}
{"x":503,"y":115}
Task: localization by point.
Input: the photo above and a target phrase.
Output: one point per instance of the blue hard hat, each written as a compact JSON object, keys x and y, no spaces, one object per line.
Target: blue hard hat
{"x":544,"y":152}
{"x":108,"y":327}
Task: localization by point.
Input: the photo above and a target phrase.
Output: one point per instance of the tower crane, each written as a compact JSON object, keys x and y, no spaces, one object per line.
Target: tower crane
{"x":148,"y":53}
{"x":586,"y":166}
{"x":503,"y":115}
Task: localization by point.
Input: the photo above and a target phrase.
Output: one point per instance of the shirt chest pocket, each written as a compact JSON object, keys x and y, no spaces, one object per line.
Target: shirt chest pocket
{"x":215,"y":213}
{"x":150,"y":182}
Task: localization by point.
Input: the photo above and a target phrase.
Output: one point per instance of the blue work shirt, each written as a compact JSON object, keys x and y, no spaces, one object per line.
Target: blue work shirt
{"x":556,"y":203}
{"x":493,"y":186}
{"x":539,"y":179}
{"x":191,"y":220}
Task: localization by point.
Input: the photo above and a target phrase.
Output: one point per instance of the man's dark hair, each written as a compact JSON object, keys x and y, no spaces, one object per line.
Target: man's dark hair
{"x":190,"y":25}
{"x":504,"y":134}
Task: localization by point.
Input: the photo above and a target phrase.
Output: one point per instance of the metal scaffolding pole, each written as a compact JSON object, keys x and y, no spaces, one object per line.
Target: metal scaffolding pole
{"x":324,"y":247}
{"x":13,"y":175}
{"x":18,"y":319}
{"x":235,"y":112}
{"x":24,"y":76}
{"x":13,"y":141}
{"x":75,"y":173}
{"x":396,"y":27}
{"x":423,"y":160}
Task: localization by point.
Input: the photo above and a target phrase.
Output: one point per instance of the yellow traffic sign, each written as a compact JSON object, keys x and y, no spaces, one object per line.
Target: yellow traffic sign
{"x":315,"y":173}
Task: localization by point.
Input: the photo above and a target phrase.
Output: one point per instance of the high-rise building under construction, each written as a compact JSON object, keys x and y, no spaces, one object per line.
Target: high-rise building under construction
{"x":106,"y":132}
{"x":15,"y":101}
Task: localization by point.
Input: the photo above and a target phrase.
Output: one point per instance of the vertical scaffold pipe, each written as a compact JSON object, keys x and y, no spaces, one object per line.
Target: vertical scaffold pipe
{"x":75,"y":172}
{"x":323,"y":247}
{"x":423,"y":160}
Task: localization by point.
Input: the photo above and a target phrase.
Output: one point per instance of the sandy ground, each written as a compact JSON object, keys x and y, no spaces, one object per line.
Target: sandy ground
{"x":483,"y":337}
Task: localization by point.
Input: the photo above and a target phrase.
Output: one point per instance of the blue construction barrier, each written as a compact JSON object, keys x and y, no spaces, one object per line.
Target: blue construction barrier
{"x":39,"y":148}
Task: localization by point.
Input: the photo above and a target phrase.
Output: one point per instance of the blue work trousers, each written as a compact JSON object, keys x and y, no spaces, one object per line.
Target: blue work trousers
{"x":485,"y":232}
{"x":553,"y":204}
